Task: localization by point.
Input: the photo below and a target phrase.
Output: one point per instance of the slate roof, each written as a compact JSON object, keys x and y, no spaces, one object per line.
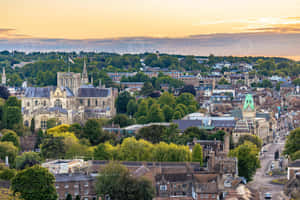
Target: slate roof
{"x":93,"y":92}
{"x":223,"y":123}
{"x":184,"y":124}
{"x":38,"y":91}
{"x":58,"y":109}
{"x":44,"y":92}
{"x":178,"y":177}
{"x":74,"y":177}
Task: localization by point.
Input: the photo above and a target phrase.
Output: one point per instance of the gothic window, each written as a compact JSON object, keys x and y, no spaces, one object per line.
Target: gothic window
{"x":44,"y":103}
{"x":43,"y":124}
{"x":28,"y":104}
{"x":36,"y":102}
{"x":89,"y":103}
{"x":58,"y":103}
{"x":96,"y":102}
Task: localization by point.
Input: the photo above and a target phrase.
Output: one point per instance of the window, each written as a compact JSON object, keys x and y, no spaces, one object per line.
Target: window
{"x":81,"y":101}
{"x":86,"y":184}
{"x":66,"y":186}
{"x":44,"y":103}
{"x":163,"y":188}
{"x":89,"y":102}
{"x":75,"y":186}
{"x":28,"y":104}
{"x":57,"y":103}
{"x":86,"y":192}
{"x":57,"y":186}
{"x":26,"y":123}
{"x":96,"y":102}
{"x":36,"y":102}
{"x":43,"y":124}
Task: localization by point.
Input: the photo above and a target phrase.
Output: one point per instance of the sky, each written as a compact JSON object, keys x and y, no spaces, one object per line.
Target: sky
{"x":119,"y":19}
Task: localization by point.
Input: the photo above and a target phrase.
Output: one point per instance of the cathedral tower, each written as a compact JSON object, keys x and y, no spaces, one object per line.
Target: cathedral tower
{"x":84,"y":78}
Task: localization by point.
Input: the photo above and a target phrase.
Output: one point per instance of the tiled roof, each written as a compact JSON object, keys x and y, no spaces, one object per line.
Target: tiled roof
{"x":296,"y":163}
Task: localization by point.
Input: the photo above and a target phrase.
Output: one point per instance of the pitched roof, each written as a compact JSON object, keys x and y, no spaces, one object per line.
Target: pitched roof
{"x":38,"y":91}
{"x":93,"y":92}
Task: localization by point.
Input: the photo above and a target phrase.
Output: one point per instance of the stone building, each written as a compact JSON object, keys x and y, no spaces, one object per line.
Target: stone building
{"x":72,"y":100}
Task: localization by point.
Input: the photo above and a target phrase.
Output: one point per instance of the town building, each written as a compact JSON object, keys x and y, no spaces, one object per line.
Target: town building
{"x":72,"y":100}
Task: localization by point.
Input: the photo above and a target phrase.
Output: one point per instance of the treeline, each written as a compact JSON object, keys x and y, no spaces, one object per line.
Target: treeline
{"x":43,"y":71}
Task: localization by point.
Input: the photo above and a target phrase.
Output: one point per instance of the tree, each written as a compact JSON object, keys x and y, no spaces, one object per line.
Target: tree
{"x":10,"y":136}
{"x":52,"y":122}
{"x":53,"y":147}
{"x":186,"y":99}
{"x":14,"y":116}
{"x":116,"y":182}
{"x":292,"y":142}
{"x":295,"y":155}
{"x":168,"y":113}
{"x":100,"y":153}
{"x":153,"y":134}
{"x":69,"y":197}
{"x":27,"y":159}
{"x":34,"y":183}
{"x":167,"y":99}
{"x":77,"y":129}
{"x":131,"y":107}
{"x":8,"y":149}
{"x":188,"y":89}
{"x":4,"y":93}
{"x":155,"y":114}
{"x":92,"y":130}
{"x":122,"y":101}
{"x":142,"y":109}
{"x":197,"y":154}
{"x":40,"y":136}
{"x":122,"y":120}
{"x":251,"y":138}
{"x":77,"y":197}
{"x":248,"y":161}
{"x":32,"y":125}
{"x":147,"y":89}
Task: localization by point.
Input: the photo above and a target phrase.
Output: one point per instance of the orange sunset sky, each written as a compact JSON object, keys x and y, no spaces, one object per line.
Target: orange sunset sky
{"x":177,"y":19}
{"x":84,"y":19}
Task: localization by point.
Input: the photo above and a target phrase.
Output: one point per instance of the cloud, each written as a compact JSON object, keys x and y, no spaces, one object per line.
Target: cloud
{"x":279,"y":28}
{"x":6,"y":30}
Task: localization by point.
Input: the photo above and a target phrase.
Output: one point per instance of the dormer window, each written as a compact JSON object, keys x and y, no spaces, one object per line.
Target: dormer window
{"x":58,"y":103}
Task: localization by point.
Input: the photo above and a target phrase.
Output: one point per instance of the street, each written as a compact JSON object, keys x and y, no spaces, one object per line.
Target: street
{"x":262,"y":181}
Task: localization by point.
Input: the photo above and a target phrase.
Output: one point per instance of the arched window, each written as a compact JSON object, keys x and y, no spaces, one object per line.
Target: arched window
{"x":96,"y":102}
{"x":44,"y":103}
{"x":43,"y":124}
{"x":36,"y":102}
{"x":58,"y":103}
{"x":89,"y":102}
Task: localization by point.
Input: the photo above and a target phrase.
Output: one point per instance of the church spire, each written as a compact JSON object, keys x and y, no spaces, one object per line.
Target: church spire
{"x":3,"y":81}
{"x":84,"y":78}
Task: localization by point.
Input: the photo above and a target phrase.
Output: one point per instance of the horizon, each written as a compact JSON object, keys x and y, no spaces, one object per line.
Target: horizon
{"x":225,"y":28}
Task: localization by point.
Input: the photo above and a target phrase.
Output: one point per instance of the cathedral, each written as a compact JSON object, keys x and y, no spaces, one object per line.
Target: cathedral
{"x":72,"y":100}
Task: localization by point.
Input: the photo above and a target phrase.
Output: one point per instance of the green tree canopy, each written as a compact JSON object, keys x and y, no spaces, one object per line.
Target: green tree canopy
{"x":116,"y":182}
{"x":8,"y":149}
{"x":248,"y":161}
{"x":27,"y":159}
{"x":53,"y":147}
{"x":10,"y":136}
{"x":155,"y":114}
{"x":292,"y":142}
{"x":92,"y":130}
{"x":251,"y":138}
{"x":34,"y":183}
{"x":197,"y":154}
{"x":122,"y":101}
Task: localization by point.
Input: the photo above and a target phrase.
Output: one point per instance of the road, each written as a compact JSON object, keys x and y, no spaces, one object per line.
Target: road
{"x":261,"y":181}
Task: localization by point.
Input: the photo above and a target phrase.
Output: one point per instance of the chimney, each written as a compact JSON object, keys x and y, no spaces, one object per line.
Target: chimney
{"x":226,"y":143}
{"x":211,"y":161}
